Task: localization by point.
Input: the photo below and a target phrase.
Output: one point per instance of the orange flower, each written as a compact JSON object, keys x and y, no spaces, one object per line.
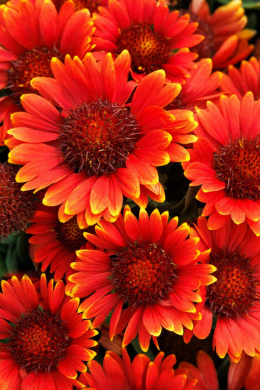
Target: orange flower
{"x":152,"y":272}
{"x":225,"y":40}
{"x":234,"y":298}
{"x":141,"y":374}
{"x":54,"y":243}
{"x":205,"y":373}
{"x":226,"y":162}
{"x":95,"y":148}
{"x":30,"y":36}
{"x":45,"y":345}
{"x":245,"y":373}
{"x":151,"y":35}
{"x":240,"y":81}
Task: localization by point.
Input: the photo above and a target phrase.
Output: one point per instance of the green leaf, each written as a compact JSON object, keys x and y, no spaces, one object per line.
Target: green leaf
{"x":247,"y":4}
{"x":22,"y":249}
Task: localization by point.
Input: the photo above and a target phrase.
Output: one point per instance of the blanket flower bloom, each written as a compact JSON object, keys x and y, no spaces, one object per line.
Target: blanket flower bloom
{"x":234,"y":299}
{"x":16,"y":207}
{"x":94,"y":143}
{"x":226,"y":161}
{"x":152,"y":271}
{"x":240,"y":81}
{"x":140,"y":374}
{"x":54,"y":243}
{"x":245,"y":373}
{"x":45,"y":345}
{"x":155,"y":38}
{"x":225,"y":39}
{"x":30,"y":35}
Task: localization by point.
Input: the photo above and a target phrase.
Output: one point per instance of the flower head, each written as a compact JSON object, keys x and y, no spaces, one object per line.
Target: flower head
{"x":101,"y":144}
{"x":226,"y":161}
{"x":234,"y":298}
{"x":151,"y":271}
{"x":151,"y":35}
{"x":16,"y":207}
{"x":27,"y":47}
{"x":45,"y":345}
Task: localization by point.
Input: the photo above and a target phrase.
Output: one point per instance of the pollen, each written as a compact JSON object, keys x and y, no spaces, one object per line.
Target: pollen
{"x":143,"y":273}
{"x":98,"y":137}
{"x":70,"y":234}
{"x":236,"y":288}
{"x":238,"y":165}
{"x":32,"y":63}
{"x":148,"y":49}
{"x":38,"y":341}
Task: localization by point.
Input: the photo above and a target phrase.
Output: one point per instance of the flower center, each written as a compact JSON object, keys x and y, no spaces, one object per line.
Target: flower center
{"x":148,"y":49}
{"x":238,"y":165}
{"x":32,"y":63}
{"x":91,"y":5}
{"x":16,"y":207}
{"x":235,"y":291}
{"x":70,"y":234}
{"x":205,"y":49}
{"x":143,"y":273}
{"x":38,"y":341}
{"x":98,"y":137}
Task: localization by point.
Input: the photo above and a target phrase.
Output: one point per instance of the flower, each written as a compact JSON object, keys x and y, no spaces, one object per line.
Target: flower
{"x":54,"y":243}
{"x":245,"y":373}
{"x":91,"y":5}
{"x":205,"y":373}
{"x":226,"y":161}
{"x":155,"y":38}
{"x":240,"y":81}
{"x":149,"y":280}
{"x":141,"y":374}
{"x":16,"y":207}
{"x":225,"y":40}
{"x":45,"y":345}
{"x":27,"y":47}
{"x":102,"y":145}
{"x":234,"y":298}
{"x":201,"y":86}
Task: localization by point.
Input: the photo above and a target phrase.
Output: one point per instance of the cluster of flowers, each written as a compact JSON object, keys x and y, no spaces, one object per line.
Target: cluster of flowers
{"x":99,"y":94}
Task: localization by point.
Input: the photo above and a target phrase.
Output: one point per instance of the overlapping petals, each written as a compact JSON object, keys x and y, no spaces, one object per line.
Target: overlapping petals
{"x":157,"y":248}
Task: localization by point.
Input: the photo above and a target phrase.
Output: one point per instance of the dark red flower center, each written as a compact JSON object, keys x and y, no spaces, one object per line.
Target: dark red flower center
{"x":98,"y":137}
{"x":235,"y":291}
{"x":238,"y":165}
{"x":205,"y":49}
{"x":148,"y":49}
{"x":143,"y":273}
{"x":91,"y":5}
{"x":16,"y":207}
{"x":70,"y":234}
{"x":38,"y":341}
{"x":32,"y":63}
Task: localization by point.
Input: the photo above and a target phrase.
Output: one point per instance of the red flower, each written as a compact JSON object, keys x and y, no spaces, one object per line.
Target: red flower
{"x":240,"y":81}
{"x":245,"y":373}
{"x":31,"y":35}
{"x":151,"y":35}
{"x":225,"y":40}
{"x":46,"y":345}
{"x":226,"y":161}
{"x":54,"y":243}
{"x":234,"y":298}
{"x":205,"y":372}
{"x":152,"y":271}
{"x":94,"y":149}
{"x":141,"y":374}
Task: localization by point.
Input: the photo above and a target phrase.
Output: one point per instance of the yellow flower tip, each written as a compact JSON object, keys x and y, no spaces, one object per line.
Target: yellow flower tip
{"x":213,"y":279}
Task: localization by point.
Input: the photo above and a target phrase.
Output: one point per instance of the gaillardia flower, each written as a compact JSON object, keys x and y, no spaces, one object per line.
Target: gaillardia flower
{"x":154,"y":37}
{"x":16,"y":207}
{"x":225,"y":41}
{"x":234,"y":299}
{"x":244,"y":374}
{"x":95,"y":148}
{"x":140,"y":374}
{"x":30,"y":35}
{"x":45,"y":345}
{"x":148,"y":280}
{"x":226,"y":161}
{"x":240,"y":81}
{"x":55,"y":243}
